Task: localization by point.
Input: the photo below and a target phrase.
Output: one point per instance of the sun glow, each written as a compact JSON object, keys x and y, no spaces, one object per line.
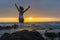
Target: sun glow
{"x":30,"y":18}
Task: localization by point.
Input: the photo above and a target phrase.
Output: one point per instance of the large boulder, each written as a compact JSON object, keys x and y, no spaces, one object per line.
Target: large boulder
{"x":25,"y":35}
{"x":5,"y":36}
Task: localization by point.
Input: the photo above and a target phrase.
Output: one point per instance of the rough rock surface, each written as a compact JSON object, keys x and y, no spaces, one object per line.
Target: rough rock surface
{"x":22,"y":35}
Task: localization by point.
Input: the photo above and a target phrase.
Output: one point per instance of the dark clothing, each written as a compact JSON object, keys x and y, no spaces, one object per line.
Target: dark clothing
{"x":21,"y":20}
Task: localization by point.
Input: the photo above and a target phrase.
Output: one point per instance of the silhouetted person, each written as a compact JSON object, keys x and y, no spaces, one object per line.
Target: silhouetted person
{"x":21,"y":12}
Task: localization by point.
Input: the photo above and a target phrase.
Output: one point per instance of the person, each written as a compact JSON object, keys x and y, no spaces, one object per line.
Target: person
{"x":21,"y":12}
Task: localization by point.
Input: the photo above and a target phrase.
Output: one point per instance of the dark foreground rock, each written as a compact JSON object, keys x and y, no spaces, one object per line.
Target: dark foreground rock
{"x":5,"y":36}
{"x":23,"y":35}
{"x":51,"y":35}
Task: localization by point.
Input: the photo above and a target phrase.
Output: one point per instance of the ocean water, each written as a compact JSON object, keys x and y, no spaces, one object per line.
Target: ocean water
{"x":40,"y":27}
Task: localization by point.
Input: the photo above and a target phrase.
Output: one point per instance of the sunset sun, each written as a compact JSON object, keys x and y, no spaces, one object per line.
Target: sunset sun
{"x":30,"y":18}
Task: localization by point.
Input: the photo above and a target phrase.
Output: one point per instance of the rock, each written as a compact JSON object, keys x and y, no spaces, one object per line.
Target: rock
{"x":5,"y":36}
{"x":58,"y":34}
{"x":37,"y":34}
{"x":25,"y":35}
{"x":51,"y":35}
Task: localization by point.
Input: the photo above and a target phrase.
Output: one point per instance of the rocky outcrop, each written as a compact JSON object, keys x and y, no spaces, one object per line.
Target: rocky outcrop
{"x":23,"y":35}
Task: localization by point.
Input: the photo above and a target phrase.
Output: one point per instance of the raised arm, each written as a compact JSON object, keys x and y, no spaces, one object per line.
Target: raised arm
{"x":26,"y":9}
{"x":16,"y":6}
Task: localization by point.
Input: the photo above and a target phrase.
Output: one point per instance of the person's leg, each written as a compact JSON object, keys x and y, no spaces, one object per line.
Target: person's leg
{"x":22,"y":20}
{"x":19,"y":20}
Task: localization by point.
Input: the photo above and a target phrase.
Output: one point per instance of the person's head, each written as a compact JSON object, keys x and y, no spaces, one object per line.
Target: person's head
{"x":21,"y":8}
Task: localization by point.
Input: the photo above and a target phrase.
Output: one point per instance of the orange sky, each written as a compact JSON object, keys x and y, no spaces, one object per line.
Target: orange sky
{"x":28,"y":20}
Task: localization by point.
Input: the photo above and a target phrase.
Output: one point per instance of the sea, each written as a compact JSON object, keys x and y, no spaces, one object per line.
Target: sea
{"x":39,"y":26}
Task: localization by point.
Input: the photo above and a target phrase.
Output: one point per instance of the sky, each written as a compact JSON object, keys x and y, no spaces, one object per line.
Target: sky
{"x":45,"y":9}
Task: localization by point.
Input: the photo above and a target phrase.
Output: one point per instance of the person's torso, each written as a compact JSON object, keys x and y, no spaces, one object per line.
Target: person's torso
{"x":20,"y":14}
